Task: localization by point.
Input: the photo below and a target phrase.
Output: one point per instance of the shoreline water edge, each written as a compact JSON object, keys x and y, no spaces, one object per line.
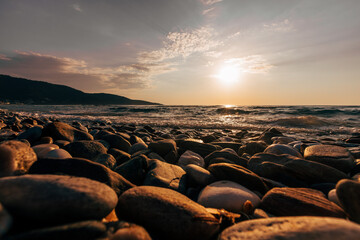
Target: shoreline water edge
{"x":179,"y":172}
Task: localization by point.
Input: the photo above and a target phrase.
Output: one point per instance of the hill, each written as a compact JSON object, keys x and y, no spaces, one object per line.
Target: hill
{"x":20,"y":90}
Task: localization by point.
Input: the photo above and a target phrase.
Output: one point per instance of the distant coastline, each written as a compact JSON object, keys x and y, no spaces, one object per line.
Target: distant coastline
{"x":15,"y":90}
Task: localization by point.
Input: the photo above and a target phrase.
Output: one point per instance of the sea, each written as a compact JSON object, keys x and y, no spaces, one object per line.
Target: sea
{"x":307,"y":121}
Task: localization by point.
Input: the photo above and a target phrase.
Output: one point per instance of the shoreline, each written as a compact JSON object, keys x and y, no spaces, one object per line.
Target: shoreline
{"x":150,"y":176}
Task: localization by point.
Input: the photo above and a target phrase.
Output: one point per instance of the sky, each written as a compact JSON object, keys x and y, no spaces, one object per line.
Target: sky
{"x":189,"y":52}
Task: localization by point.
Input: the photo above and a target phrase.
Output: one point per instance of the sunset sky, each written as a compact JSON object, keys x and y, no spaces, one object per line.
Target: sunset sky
{"x":241,"y":52}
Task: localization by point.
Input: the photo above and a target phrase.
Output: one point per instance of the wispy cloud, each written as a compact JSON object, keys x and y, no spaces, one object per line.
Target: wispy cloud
{"x":210,"y":2}
{"x":207,"y":11}
{"x":182,"y":44}
{"x":68,"y":71}
{"x":251,"y":64}
{"x":77,"y":7}
{"x":280,"y":26}
{"x":177,"y":46}
{"x":209,"y":7}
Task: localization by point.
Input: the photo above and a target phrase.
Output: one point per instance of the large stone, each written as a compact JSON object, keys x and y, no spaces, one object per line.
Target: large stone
{"x":203,"y":149}
{"x":162,"y":174}
{"x":167,"y":213}
{"x":232,"y":145}
{"x":82,"y":168}
{"x":117,"y":141}
{"x":299,"y":202}
{"x":190,"y":157}
{"x":334,"y":156}
{"x":238,"y":174}
{"x":84,"y":230}
{"x":120,"y":156}
{"x":63,"y":131}
{"x":134,"y":170}
{"x":293,"y":167}
{"x":348,"y":193}
{"x":86,"y":149}
{"x":163,"y":147}
{"x":131,"y":232}
{"x":41,"y":150}
{"x":15,"y":157}
{"x":252,"y":147}
{"x":136,"y":147}
{"x":279,"y":149}
{"x":227,"y":195}
{"x":32,"y":134}
{"x":228,"y":154}
{"x":198,"y":176}
{"x":292,"y":228}
{"x":58,"y":154}
{"x":53,"y":199}
{"x":106,"y":159}
{"x":268,"y":135}
{"x":5,"y":220}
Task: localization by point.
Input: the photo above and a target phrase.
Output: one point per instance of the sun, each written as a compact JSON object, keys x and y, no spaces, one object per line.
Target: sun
{"x":228,"y":74}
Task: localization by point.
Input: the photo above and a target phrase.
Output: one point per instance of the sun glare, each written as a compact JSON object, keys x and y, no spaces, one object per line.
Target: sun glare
{"x":228,"y":74}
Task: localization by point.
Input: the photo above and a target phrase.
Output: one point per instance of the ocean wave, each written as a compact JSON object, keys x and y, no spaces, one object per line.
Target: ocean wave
{"x":232,"y":111}
{"x":135,"y":110}
{"x":301,"y":121}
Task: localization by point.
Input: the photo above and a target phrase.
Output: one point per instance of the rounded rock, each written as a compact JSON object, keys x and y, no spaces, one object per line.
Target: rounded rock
{"x":15,"y":156}
{"x":167,"y":213}
{"x":58,"y":154}
{"x":52,"y":199}
{"x":190,"y":157}
{"x":292,"y":228}
{"x":227,"y":195}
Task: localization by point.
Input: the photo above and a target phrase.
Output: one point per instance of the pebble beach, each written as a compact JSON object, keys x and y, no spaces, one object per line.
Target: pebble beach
{"x":74,"y":178}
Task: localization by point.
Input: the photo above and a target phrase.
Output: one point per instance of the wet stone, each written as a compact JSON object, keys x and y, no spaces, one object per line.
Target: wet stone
{"x":58,"y":199}
{"x":162,"y":174}
{"x":119,"y":155}
{"x":134,"y":170}
{"x":238,"y":174}
{"x":227,"y":195}
{"x":5,"y":220}
{"x":203,"y":149}
{"x":82,"y":168}
{"x":32,"y":134}
{"x":85,"y":149}
{"x":136,"y":147}
{"x":334,"y":156}
{"x":58,"y":154}
{"x":198,"y":176}
{"x":155,"y":207}
{"x":292,"y":228}
{"x":15,"y":157}
{"x":80,"y":231}
{"x":117,"y":141}
{"x":279,"y":149}
{"x":106,"y":159}
{"x":348,"y":193}
{"x":300,"y":202}
{"x":63,"y":131}
{"x":252,"y":147}
{"x":228,"y":154}
{"x":190,"y":157}
{"x":289,"y":169}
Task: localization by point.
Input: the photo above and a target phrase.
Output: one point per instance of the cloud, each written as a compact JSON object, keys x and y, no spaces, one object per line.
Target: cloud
{"x":176,"y":47}
{"x":210,"y":2}
{"x":281,"y":26}
{"x":251,"y":64}
{"x":182,"y":44}
{"x":77,"y":7}
{"x":71,"y":72}
{"x":207,"y":11}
